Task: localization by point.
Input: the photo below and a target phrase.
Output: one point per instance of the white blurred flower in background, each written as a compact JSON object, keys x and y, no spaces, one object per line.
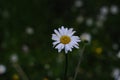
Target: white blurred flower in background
{"x":78,"y":3}
{"x":2,"y":69}
{"x":25,"y":48}
{"x":85,"y":37}
{"x":89,"y":22}
{"x":116,"y":74}
{"x":115,"y":46}
{"x":114,"y":9}
{"x":118,"y":54}
{"x":29,"y":30}
{"x":14,"y":58}
{"x":104,"y":10}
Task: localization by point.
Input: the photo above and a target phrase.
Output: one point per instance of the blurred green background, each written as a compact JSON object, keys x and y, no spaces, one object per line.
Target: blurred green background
{"x":26,"y":27}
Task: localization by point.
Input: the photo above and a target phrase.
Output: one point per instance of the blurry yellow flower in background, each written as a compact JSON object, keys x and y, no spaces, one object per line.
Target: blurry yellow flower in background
{"x":15,"y":77}
{"x":98,"y":50}
{"x":96,"y":47}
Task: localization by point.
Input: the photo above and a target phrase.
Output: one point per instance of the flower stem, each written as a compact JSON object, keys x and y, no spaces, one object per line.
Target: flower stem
{"x":79,"y":62}
{"x":20,"y":71}
{"x":66,"y":66}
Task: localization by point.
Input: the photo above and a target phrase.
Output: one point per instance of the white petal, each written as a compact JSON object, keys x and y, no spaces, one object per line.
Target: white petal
{"x":66,"y":31}
{"x":58,"y":34}
{"x":62,"y":46}
{"x":55,"y":37}
{"x":75,"y":38}
{"x":66,"y":51}
{"x":76,"y":46}
{"x":70,"y":30}
{"x":70,"y":34}
{"x":55,"y":43}
{"x":59,"y":47}
{"x":67,"y":48}
{"x":62,"y":28}
{"x":61,"y":32}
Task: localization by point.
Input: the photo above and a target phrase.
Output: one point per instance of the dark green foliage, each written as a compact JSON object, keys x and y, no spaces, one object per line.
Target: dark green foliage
{"x":43,"y":16}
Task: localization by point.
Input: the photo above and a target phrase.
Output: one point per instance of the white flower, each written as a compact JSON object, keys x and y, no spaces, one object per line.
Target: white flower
{"x":104,"y":10}
{"x":78,"y":3}
{"x":29,"y":30}
{"x":85,"y":37}
{"x":89,"y":22}
{"x":2,"y":69}
{"x":25,"y":48}
{"x":115,"y":46}
{"x":14,"y":58}
{"x":114,"y":9}
{"x":118,"y":55}
{"x":64,"y":39}
{"x":116,"y":73}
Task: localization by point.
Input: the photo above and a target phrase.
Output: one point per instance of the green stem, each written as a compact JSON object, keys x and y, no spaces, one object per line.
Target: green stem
{"x":66,"y":66}
{"x":79,"y":62}
{"x":20,"y":71}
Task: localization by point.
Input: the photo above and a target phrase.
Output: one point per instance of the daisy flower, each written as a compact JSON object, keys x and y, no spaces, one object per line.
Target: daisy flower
{"x":64,"y":39}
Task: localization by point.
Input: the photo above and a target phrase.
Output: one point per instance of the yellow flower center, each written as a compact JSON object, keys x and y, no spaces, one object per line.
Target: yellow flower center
{"x":65,"y":39}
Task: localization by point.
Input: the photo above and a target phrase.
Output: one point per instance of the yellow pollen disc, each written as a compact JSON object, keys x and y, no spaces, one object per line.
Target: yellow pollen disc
{"x":65,"y":39}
